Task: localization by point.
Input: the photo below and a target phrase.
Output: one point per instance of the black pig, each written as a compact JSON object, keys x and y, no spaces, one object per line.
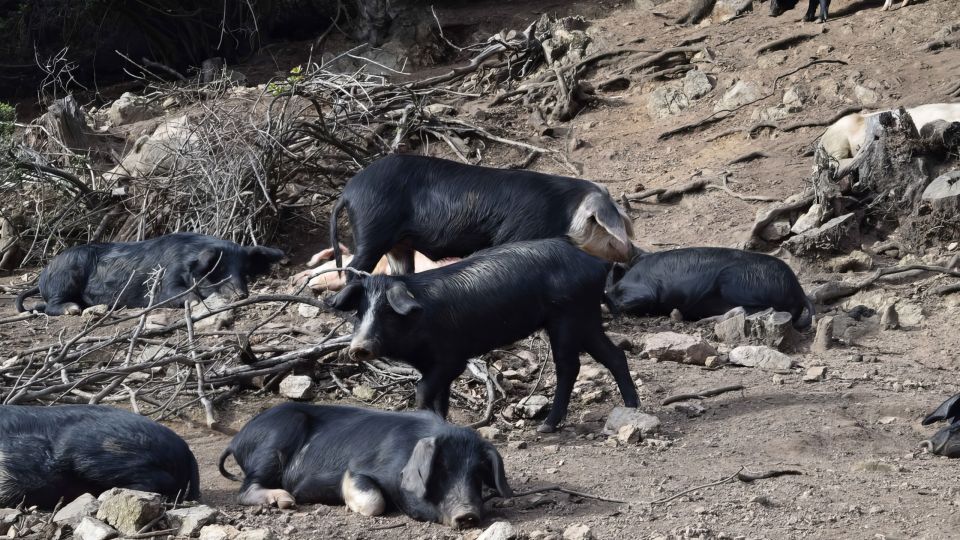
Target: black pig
{"x":117,"y":273}
{"x":703,"y":282}
{"x":368,"y":459}
{"x":447,"y":209}
{"x":946,"y":442}
{"x":777,"y":7}
{"x":49,"y":453}
{"x":437,"y":320}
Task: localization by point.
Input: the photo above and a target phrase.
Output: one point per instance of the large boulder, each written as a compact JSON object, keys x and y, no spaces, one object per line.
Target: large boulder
{"x":130,"y":108}
{"x":156,"y":154}
{"x":674,"y":347}
{"x":129,"y":510}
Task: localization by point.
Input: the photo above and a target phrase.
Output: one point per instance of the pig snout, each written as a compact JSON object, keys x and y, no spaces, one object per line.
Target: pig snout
{"x":364,"y":350}
{"x":465,"y":518}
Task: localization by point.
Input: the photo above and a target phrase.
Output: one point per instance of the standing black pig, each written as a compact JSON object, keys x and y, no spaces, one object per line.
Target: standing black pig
{"x":703,"y":282}
{"x":49,"y":453}
{"x":437,"y":320}
{"x":441,"y":208}
{"x":368,"y":459}
{"x":117,"y":273}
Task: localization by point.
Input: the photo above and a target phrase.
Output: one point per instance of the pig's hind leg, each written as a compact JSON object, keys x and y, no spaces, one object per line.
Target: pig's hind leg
{"x":565,"y":342}
{"x":604,"y":351}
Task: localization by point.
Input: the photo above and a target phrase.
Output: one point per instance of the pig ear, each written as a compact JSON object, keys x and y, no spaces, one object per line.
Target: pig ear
{"x":204,"y":262}
{"x":348,"y":299}
{"x":401,"y":300}
{"x":416,"y":473}
{"x":617,"y":272}
{"x":498,"y":477}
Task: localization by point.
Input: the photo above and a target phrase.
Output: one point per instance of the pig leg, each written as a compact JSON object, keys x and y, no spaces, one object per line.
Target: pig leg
{"x":362,"y":495}
{"x":433,"y":388}
{"x":564,"y":342}
{"x":599,"y":346}
{"x":256,"y":495}
{"x":400,"y":259}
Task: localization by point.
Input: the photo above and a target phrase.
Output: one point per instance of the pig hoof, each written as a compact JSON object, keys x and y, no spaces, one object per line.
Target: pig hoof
{"x":281,"y":498}
{"x":72,"y":309}
{"x":546,"y":428}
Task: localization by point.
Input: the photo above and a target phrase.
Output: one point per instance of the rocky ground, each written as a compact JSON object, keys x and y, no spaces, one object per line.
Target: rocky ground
{"x":846,"y":416}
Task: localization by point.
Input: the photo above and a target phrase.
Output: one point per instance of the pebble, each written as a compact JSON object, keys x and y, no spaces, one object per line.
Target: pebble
{"x":578,"y":532}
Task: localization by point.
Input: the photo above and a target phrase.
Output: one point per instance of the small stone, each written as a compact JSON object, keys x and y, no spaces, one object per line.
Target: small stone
{"x":130,"y":108}
{"x":8,"y":516}
{"x":307,"y":311}
{"x":696,"y":84}
{"x":517,"y":445}
{"x":594,"y":396}
{"x":299,"y":387}
{"x":500,"y":530}
{"x":77,"y":509}
{"x":540,"y":534}
{"x":188,"y":521}
{"x":872,"y":465}
{"x":793,"y":99}
{"x":91,"y":529}
{"x":533,"y":406}
{"x":218,"y":532}
{"x":809,"y":220}
{"x":866,"y":96}
{"x":824,"y":50}
{"x":129,"y":510}
{"x":777,"y":230}
{"x":856,"y":261}
{"x":590,"y":372}
{"x":152,"y":353}
{"x":363,"y":392}
{"x":889,"y":319}
{"x":221,"y":320}
{"x":626,"y":416}
{"x":740,"y":94}
{"x":760,"y":356}
{"x":666,"y":101}
{"x":579,"y":531}
{"x":620,"y":340}
{"x":952,"y":246}
{"x":629,"y":434}
{"x":840,"y":234}
{"x":692,"y":410}
{"x":491,"y":433}
{"x":885,"y":420}
{"x":674,"y":347}
{"x":815,"y":373}
{"x":256,"y":534}
{"x":762,"y":500}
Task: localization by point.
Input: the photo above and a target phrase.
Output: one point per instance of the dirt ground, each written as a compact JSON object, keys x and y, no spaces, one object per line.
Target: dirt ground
{"x":853,"y":435}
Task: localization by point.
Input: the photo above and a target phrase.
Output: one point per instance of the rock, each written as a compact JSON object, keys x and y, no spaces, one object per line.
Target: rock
{"x":872,"y":465}
{"x":620,"y":340}
{"x":255,"y":534}
{"x":674,"y":347}
{"x":626,"y":416}
{"x":885,"y":420}
{"x":151,"y":353}
{"x":500,"y":530}
{"x":770,"y":114}
{"x":909,"y":313}
{"x":807,"y":221}
{"x":858,"y":261}
{"x":590,"y":372}
{"x":815,"y":373}
{"x":824,"y":337}
{"x":129,"y":510}
{"x":158,"y":153}
{"x":219,"y":532}
{"x":77,"y":509}
{"x":307,"y":311}
{"x":793,"y":99}
{"x":889,"y":320}
{"x":221,"y":320}
{"x":725,"y":10}
{"x":944,"y":191}
{"x":824,"y":50}
{"x":772,"y":60}
{"x":840,"y":234}
{"x":742,"y":93}
{"x":363,"y":392}
{"x":130,"y":108}
{"x":692,"y":410}
{"x":760,"y":356}
{"x":866,"y":96}
{"x":578,"y":532}
{"x":8,"y":516}
{"x":297,"y":387}
{"x":628,"y":434}
{"x":95,"y":311}
{"x":778,"y":230}
{"x":533,"y":406}
{"x":189,"y":521}
{"x":517,"y":445}
{"x":666,"y":101}
{"x":769,"y":327}
{"x":91,"y":529}
{"x":696,"y":84}
{"x":491,"y":433}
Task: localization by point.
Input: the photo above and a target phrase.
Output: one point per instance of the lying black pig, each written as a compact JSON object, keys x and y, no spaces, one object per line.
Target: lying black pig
{"x":945,"y":442}
{"x":117,"y":273}
{"x":704,"y":282}
{"x":437,"y":320}
{"x":401,"y":204}
{"x":370,"y":460}
{"x":49,"y":453}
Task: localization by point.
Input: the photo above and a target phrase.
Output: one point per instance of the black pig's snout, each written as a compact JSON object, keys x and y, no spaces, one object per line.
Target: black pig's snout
{"x":466,"y":520}
{"x":363,"y":352}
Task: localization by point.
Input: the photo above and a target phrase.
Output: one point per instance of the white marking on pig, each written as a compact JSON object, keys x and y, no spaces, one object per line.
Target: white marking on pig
{"x":256,"y":495}
{"x":844,"y":138}
{"x":369,"y":502}
{"x":362,"y":330}
{"x":889,"y":3}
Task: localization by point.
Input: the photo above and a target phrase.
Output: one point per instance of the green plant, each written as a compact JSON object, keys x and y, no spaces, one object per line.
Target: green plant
{"x":279,"y":87}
